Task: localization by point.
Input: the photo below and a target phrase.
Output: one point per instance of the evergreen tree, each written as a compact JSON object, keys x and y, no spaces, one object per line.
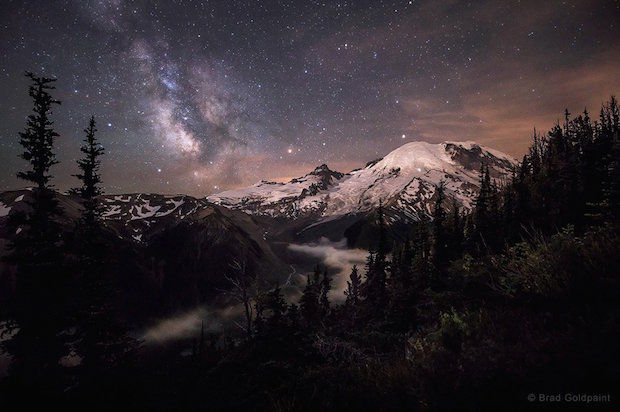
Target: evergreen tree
{"x":493,"y":232}
{"x":40,"y":312}
{"x":421,"y":262}
{"x":508,"y":223}
{"x":276,"y":305}
{"x":89,"y":175}
{"x":522,"y":194}
{"x":326,"y":285}
{"x":352,"y":292}
{"x":38,"y":138}
{"x":376,"y":277}
{"x":469,"y":235}
{"x":455,"y":232}
{"x":309,"y":302}
{"x":482,"y":207}
{"x":440,"y":241}
{"x":104,"y":342}
{"x":292,"y":315}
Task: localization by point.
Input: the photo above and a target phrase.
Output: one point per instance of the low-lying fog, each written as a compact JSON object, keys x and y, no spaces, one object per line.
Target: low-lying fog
{"x":337,"y":258}
{"x":333,"y":255}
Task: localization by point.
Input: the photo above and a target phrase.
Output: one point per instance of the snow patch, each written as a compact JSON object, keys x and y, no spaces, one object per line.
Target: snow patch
{"x":114,"y":210}
{"x":4,"y":209}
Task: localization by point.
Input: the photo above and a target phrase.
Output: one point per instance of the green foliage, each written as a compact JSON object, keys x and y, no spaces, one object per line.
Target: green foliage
{"x":452,"y":330}
{"x":561,"y":266}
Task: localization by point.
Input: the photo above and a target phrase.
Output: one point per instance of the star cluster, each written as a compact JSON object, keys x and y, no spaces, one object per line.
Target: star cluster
{"x":199,"y":96}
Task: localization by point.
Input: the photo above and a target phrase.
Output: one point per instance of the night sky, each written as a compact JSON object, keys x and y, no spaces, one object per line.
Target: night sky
{"x":199,"y":96}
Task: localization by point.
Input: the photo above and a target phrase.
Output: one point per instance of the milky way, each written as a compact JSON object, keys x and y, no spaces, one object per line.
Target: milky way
{"x":200,"y":96}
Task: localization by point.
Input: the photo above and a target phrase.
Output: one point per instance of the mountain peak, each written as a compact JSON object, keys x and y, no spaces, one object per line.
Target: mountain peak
{"x":420,"y":157}
{"x":325,"y":172}
{"x":405,"y":179}
{"x":320,"y":169}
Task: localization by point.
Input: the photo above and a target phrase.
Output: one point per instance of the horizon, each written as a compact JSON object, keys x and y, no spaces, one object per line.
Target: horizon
{"x":283,"y":179}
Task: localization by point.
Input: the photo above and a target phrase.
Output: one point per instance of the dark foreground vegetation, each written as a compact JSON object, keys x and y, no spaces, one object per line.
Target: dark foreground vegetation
{"x":472,"y":310}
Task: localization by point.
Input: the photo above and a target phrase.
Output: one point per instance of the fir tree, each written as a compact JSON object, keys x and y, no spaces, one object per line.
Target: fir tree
{"x":482,"y":212}
{"x":376,"y":277}
{"x":421,"y":268}
{"x":326,"y":285}
{"x":104,"y":342}
{"x":41,"y":287}
{"x":89,"y":175}
{"x":276,"y":305}
{"x":352,"y":292}
{"x":456,"y":228}
{"x":309,"y":302}
{"x":440,"y":241}
{"x":38,"y":138}
{"x":292,"y":315}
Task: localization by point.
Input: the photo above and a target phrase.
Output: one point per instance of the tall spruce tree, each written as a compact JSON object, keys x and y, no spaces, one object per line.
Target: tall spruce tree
{"x":38,"y":137}
{"x":309,"y":302}
{"x":483,"y":200}
{"x":326,"y":285}
{"x":89,"y":175}
{"x":352,"y":292}
{"x":455,"y":231}
{"x":376,"y":276}
{"x":103,"y":342}
{"x":40,"y":312}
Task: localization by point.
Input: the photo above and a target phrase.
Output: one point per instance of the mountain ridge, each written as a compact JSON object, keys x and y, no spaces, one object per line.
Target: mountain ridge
{"x":406,"y":178}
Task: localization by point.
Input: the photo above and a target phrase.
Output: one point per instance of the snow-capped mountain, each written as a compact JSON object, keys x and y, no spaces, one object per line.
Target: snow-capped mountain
{"x":405,"y":180}
{"x":325,"y":201}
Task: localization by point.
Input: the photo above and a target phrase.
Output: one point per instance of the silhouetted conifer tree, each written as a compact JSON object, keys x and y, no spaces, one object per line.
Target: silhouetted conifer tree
{"x":440,"y":241}
{"x":89,"y":175}
{"x":455,"y":231}
{"x":39,"y":314}
{"x":104,"y":342}
{"x":352,"y":292}
{"x":376,"y":277}
{"x":309,"y":302}
{"x":326,"y":285}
